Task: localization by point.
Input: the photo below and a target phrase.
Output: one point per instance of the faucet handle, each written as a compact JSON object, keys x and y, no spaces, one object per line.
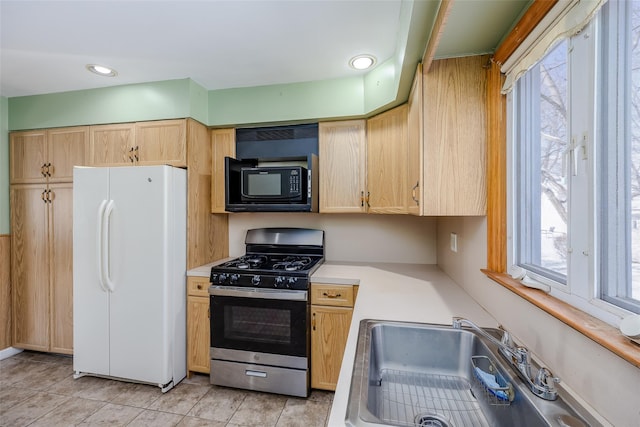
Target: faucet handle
{"x":545,"y":379}
{"x":506,"y":338}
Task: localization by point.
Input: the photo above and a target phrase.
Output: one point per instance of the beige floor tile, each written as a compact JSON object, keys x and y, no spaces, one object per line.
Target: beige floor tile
{"x":197,"y":379}
{"x":301,"y":412}
{"x":321,"y":396}
{"x":31,"y":409}
{"x":156,"y":419}
{"x":112,"y":415}
{"x":180,"y":399}
{"x":219,"y":404}
{"x":259,"y":409}
{"x":11,"y":396}
{"x":200,"y":422}
{"x":70,"y":413}
{"x":48,"y":375}
{"x":138,"y":395}
{"x":20,"y":370}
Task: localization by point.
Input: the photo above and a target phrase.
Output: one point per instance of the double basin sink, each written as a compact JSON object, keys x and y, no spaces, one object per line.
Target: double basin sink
{"x":425,"y":375}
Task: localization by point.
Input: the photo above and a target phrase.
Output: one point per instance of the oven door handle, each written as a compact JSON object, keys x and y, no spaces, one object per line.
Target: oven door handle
{"x":230,"y":291}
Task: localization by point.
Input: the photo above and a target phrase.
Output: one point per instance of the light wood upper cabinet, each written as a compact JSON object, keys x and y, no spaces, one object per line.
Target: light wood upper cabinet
{"x":342,"y":157}
{"x":223,"y":144}
{"x":47,"y":155}
{"x":415,"y":153}
{"x":387,"y":162}
{"x":41,"y":267}
{"x":455,"y":137}
{"x":162,"y":142}
{"x":112,"y":145}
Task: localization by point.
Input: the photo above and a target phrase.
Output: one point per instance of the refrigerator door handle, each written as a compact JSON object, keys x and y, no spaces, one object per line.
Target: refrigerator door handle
{"x":106,"y":247}
{"x":101,"y":209}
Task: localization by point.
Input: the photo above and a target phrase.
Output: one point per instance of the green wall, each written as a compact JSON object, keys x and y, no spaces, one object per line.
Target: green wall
{"x":4,"y":166}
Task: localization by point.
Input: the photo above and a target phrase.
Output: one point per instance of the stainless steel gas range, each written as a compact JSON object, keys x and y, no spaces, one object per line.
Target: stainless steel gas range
{"x":259,"y":306}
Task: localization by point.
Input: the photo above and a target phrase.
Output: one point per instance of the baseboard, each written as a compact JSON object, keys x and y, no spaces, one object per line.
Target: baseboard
{"x":8,"y":352}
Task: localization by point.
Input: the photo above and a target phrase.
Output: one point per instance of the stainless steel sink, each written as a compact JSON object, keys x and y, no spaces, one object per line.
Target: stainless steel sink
{"x":413,"y":374}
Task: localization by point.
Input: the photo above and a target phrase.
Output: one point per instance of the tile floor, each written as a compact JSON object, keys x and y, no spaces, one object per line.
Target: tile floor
{"x":38,"y":389}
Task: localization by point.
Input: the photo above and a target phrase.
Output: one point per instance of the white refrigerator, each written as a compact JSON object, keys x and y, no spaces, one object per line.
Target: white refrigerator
{"x":129,"y":268}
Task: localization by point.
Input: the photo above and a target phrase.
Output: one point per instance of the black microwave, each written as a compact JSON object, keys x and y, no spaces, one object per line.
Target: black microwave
{"x":273,"y":184}
{"x":264,"y":187}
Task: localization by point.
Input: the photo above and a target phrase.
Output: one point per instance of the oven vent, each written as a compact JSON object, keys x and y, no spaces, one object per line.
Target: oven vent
{"x":277,"y":142}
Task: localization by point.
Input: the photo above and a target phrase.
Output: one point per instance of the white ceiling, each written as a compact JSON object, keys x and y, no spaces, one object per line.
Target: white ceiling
{"x":220,"y":44}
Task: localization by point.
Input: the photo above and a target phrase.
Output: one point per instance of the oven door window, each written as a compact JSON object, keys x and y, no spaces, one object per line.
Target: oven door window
{"x":259,"y":325}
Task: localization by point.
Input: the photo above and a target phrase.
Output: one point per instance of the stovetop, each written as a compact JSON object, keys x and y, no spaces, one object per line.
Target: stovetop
{"x":281,"y":258}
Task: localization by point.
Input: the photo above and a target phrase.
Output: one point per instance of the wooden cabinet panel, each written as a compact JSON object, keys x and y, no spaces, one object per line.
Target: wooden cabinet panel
{"x":329,"y":332}
{"x":342,"y":154}
{"x":415,"y":154}
{"x":198,"y":327}
{"x":335,"y":295}
{"x":30,"y":267}
{"x":61,"y":256}
{"x":161,"y":142}
{"x":455,"y":137}
{"x":387,"y":161}
{"x":27,"y":157}
{"x":67,"y":148}
{"x":111,"y":145}
{"x":223,"y":144}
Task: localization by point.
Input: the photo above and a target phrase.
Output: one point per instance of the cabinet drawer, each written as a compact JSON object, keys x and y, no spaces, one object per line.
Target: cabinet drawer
{"x":198,"y":286}
{"x":336,"y":295}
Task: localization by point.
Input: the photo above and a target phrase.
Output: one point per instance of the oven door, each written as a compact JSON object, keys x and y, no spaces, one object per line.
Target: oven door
{"x":259,"y":320}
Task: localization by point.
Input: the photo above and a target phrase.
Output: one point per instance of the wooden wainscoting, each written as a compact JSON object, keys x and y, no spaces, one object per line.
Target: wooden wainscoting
{"x":5,"y":291}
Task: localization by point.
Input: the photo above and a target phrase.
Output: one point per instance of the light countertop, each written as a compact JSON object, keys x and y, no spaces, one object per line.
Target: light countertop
{"x":405,"y":292}
{"x":205,"y":270}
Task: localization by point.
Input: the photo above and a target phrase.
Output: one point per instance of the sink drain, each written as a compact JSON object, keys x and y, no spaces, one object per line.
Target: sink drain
{"x":431,"y":420}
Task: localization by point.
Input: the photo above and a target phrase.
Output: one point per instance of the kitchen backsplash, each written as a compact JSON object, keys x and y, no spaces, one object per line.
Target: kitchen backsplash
{"x":351,"y":237}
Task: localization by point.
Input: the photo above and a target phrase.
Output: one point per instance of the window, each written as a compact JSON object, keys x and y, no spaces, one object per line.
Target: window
{"x":575,"y":166}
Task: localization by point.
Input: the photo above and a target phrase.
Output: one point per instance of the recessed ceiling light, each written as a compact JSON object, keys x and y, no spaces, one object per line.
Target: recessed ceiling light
{"x":102,"y":70}
{"x":362,"y":62}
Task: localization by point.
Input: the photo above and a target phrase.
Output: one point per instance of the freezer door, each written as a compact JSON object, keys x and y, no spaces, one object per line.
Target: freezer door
{"x":90,"y":295}
{"x":139,"y":264}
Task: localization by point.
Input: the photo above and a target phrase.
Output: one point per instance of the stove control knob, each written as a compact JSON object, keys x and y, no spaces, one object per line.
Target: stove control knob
{"x":279,"y":282}
{"x":291,"y":281}
{"x":255,"y":280}
{"x":234,"y":278}
{"x":222,"y":278}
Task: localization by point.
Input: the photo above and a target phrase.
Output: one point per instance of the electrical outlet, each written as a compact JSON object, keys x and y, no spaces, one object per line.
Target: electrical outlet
{"x":454,"y":242}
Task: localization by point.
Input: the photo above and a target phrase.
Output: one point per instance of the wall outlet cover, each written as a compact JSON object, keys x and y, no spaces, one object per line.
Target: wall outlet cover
{"x":454,"y":242}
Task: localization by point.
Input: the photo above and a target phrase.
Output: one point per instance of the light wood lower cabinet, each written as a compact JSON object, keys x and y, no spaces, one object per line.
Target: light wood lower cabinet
{"x":331,"y":312}
{"x":41,"y":267}
{"x":198,"y":359}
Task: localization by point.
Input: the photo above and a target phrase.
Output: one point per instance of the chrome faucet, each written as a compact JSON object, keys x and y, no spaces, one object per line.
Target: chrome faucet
{"x":518,"y":356}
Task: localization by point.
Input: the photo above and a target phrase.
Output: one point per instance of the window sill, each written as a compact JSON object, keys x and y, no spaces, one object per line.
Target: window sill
{"x":595,"y":329}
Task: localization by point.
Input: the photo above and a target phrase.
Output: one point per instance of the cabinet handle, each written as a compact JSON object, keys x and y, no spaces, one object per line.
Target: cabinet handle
{"x":43,"y":195}
{"x":136,"y":155}
{"x":413,"y":193}
{"x":209,"y":313}
{"x":50,"y":196}
{"x":362,"y":199}
{"x":367,"y":199}
{"x":331,"y":295}
{"x":49,"y":169}
{"x":42,"y":169}
{"x":131,"y":154}
{"x":199,"y":286}
{"x":313,"y":321}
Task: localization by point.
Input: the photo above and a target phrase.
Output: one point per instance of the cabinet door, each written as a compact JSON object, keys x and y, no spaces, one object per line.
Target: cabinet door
{"x":198,"y":328}
{"x":66,"y":148}
{"x":28,"y":157}
{"x":342,"y":150}
{"x":329,"y":332}
{"x":30,"y":267}
{"x":223,"y":144}
{"x":61,"y":265}
{"x":454,"y":152}
{"x":387,"y":161}
{"x":111,"y":145}
{"x":415,"y":154}
{"x":162,"y":142}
